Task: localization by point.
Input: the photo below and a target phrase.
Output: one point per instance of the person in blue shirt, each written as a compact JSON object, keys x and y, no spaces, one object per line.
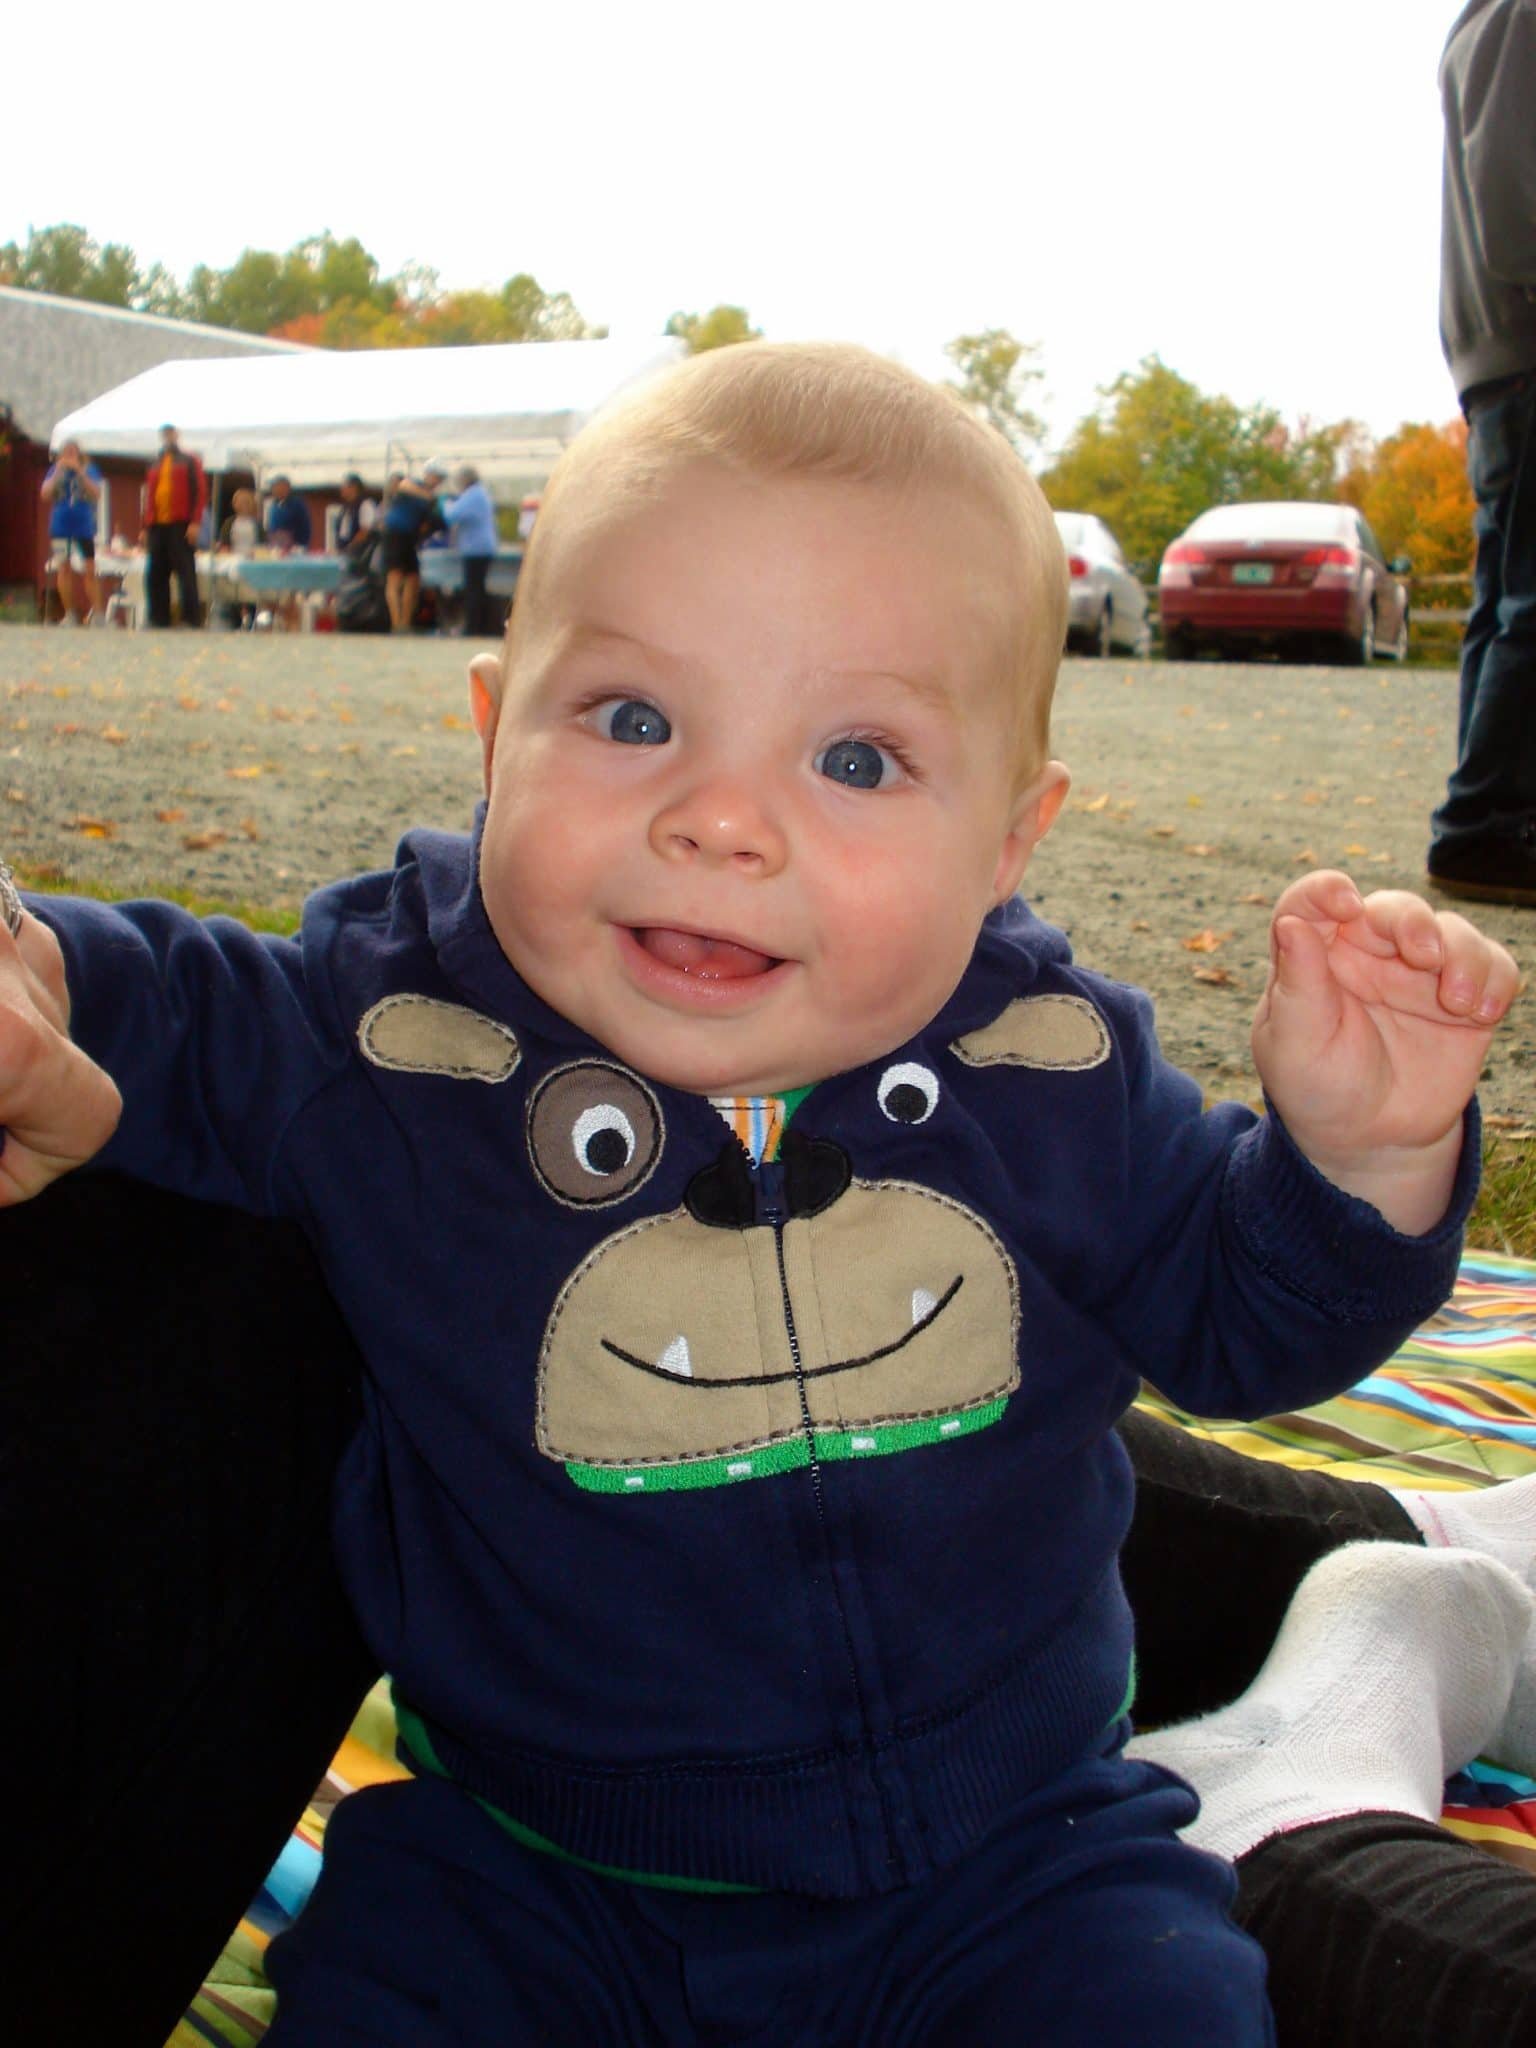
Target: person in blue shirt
{"x":471,"y":518}
{"x":288,"y":520}
{"x":72,"y":491}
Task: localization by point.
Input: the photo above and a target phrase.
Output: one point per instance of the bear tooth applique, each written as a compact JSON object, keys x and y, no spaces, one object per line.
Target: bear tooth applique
{"x":923,"y":1304}
{"x":676,"y":1359}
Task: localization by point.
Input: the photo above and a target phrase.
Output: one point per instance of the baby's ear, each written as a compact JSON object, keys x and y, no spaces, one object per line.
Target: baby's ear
{"x":1035,"y":810}
{"x":485,"y":681}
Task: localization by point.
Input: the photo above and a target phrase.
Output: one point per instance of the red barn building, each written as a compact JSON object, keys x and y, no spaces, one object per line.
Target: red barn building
{"x":56,"y":355}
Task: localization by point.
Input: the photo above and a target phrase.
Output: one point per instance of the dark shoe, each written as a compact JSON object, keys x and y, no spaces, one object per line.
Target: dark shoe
{"x":1499,"y":869}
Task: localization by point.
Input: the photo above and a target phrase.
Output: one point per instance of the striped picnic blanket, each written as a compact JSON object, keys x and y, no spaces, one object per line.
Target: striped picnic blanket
{"x":1456,"y":1407}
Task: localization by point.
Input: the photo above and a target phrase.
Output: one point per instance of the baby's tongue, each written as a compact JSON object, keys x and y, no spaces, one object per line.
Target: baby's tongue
{"x":710,"y":959}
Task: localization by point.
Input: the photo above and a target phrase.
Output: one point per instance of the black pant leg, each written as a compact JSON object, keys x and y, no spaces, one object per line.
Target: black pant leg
{"x":186,"y":578}
{"x":477,"y":621}
{"x":1218,"y":1545}
{"x":157,"y":575}
{"x":1383,"y":1931}
{"x":175,"y":1391}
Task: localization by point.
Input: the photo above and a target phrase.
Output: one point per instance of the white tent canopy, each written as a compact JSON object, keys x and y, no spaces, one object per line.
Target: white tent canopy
{"x":507,"y":408}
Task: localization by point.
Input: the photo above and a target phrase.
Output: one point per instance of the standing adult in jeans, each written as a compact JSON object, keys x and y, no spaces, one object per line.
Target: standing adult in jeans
{"x":1483,"y":842}
{"x":175,"y":496}
{"x":471,"y":518}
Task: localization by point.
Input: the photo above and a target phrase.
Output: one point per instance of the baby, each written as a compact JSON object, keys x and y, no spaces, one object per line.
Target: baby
{"x":755,"y":1223}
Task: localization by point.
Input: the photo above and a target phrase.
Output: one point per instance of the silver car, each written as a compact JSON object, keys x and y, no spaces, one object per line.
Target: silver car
{"x":1108,"y":607}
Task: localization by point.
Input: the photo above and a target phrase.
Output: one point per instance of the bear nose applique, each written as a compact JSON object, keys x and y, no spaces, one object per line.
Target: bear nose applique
{"x":724,"y":1195}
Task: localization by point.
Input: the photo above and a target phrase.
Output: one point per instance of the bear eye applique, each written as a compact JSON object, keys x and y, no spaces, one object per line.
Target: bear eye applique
{"x":908,"y":1093}
{"x":594,"y":1133}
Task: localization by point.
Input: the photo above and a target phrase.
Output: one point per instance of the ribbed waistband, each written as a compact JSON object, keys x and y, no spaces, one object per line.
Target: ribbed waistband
{"x":835,"y":1823}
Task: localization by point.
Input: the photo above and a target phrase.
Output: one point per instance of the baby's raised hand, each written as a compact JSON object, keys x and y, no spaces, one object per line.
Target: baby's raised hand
{"x":57,"y":1108}
{"x":1371,"y":1033}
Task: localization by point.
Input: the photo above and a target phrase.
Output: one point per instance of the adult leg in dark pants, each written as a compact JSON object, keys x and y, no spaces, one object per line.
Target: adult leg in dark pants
{"x":1483,"y":839}
{"x":175,"y":1391}
{"x":171,"y":553}
{"x":478,"y":622}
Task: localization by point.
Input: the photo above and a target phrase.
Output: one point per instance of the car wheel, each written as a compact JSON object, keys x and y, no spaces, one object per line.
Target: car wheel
{"x":1141,"y":646}
{"x":1360,"y":651}
{"x":1178,"y":644}
{"x":1398,"y":649}
{"x":1103,"y":642}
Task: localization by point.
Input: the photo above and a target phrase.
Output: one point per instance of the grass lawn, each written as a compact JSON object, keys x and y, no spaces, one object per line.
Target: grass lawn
{"x":1504,"y":1219}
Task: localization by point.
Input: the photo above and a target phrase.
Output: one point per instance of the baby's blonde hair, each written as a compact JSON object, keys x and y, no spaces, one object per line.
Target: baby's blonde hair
{"x":822,"y":410}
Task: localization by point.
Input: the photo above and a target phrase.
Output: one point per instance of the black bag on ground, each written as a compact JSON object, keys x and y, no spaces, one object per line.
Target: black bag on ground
{"x":360,"y":605}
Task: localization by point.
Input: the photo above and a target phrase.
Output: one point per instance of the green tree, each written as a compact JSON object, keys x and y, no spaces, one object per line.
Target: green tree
{"x":718,"y":328}
{"x":1159,"y":451}
{"x":996,"y":370}
{"x":66,"y":261}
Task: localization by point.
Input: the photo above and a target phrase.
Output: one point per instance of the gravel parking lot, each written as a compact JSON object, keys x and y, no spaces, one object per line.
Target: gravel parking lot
{"x":252,"y":767}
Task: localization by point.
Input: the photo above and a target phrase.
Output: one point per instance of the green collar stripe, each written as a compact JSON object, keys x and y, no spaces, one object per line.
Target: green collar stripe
{"x":831,"y":1444}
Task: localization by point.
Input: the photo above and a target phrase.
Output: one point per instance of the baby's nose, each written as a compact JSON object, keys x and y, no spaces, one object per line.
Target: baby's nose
{"x":726,"y":821}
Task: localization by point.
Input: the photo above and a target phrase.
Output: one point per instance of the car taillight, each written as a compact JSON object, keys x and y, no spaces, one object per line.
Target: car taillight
{"x":1178,"y":563}
{"x":1331,"y":558}
{"x":1077,"y":566}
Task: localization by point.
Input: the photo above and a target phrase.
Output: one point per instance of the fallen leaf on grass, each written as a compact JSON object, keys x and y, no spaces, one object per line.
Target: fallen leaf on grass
{"x":1218,"y":977}
{"x":1144,"y":924}
{"x":190,"y":703}
{"x":1505,"y":1123}
{"x":453,"y":723}
{"x":169,"y":817}
{"x":250,"y":828}
{"x":91,"y":828}
{"x":1200,"y":851}
{"x":1306,"y":858}
{"x":396,"y":753}
{"x":1163,"y":831}
{"x":200,"y":842}
{"x":17,"y":796}
{"x":246,"y":774}
{"x":111,"y":733}
{"x":1365,"y":799}
{"x":66,"y":732}
{"x":1204,"y":942}
{"x":1258,"y":897}
{"x":1357,"y":848}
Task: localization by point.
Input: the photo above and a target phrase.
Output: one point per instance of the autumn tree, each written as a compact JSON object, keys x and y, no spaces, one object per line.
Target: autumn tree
{"x":1413,"y":488}
{"x":997,"y":370}
{"x":717,"y":328}
{"x":1159,"y":451}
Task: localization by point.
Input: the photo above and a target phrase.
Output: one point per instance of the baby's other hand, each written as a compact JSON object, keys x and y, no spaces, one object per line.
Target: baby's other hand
{"x":1371,"y":1033}
{"x":57,"y":1108}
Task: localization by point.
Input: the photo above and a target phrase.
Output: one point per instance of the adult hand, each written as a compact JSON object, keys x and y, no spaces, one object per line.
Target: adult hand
{"x":57,"y":1108}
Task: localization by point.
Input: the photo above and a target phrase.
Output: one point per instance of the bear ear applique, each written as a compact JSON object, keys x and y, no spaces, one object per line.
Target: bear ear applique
{"x":419,"y":1035}
{"x":1060,"y":1034}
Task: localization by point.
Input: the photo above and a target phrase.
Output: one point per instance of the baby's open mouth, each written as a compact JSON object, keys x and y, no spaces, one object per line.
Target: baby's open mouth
{"x":693,"y":953}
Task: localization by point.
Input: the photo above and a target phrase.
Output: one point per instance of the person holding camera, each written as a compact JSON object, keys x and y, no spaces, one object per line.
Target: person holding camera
{"x":72,"y":489}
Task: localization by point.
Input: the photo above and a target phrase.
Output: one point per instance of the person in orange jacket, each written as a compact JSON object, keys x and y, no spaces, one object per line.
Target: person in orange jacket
{"x":175,"y":497}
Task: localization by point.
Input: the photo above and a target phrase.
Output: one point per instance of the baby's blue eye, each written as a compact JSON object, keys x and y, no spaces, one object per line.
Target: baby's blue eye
{"x":856,"y":764}
{"x":635,"y":724}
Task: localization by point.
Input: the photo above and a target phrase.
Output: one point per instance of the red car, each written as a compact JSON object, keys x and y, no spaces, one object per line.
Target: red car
{"x":1306,"y":577}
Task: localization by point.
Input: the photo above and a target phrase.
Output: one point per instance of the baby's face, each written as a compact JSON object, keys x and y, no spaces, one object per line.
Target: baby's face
{"x":752,"y":781}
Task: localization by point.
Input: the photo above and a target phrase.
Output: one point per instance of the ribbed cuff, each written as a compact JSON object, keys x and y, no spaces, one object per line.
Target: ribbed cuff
{"x":1334,"y":1250}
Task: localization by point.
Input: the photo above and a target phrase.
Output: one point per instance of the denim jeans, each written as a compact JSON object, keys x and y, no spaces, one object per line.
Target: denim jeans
{"x":1492,"y":789}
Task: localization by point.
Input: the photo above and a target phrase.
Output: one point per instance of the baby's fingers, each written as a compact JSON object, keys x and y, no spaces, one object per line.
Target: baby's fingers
{"x":1478,"y":978}
{"x":1397,"y":921}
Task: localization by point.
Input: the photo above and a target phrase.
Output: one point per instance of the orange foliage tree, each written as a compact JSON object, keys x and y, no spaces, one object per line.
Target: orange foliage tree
{"x":1413,"y":489}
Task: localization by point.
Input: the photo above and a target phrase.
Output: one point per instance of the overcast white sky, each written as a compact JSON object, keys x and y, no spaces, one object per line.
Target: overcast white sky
{"x":1251,"y":192}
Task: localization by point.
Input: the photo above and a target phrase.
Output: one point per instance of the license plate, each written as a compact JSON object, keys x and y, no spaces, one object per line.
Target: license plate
{"x":1253,"y":572}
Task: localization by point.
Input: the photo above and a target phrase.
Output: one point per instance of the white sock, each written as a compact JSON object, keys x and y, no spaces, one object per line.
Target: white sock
{"x":1393,"y":1668}
{"x":1500,"y":1521}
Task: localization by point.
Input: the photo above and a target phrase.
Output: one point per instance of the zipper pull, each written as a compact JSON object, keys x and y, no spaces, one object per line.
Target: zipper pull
{"x":768,"y":1179}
